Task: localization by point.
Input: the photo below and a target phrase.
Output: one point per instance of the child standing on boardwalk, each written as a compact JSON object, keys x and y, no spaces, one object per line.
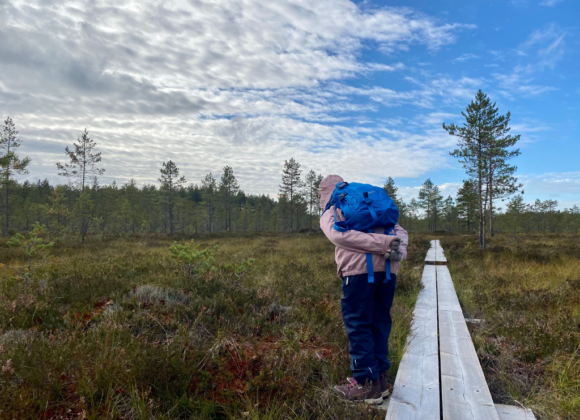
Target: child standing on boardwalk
{"x":365,"y":306}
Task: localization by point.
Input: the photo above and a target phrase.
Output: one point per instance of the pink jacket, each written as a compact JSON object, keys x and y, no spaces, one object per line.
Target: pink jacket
{"x":351,"y":246}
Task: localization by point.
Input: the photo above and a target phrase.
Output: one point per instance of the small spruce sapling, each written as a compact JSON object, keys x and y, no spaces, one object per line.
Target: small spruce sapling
{"x":32,"y":245}
{"x":196,"y":262}
{"x":240,"y":270}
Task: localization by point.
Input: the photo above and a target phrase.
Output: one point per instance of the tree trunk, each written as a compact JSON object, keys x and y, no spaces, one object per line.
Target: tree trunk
{"x":490,"y":214}
{"x":435,"y":220}
{"x":171,"y":218}
{"x":7,"y":228}
{"x":291,"y":211}
{"x":481,"y":199}
{"x":481,"y":217}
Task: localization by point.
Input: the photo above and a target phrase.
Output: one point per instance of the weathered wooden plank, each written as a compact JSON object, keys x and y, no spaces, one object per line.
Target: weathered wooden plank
{"x":435,"y":255}
{"x":416,"y":394}
{"x":440,"y":254}
{"x":464,"y":391}
{"x":431,"y":255}
{"x":511,"y":412}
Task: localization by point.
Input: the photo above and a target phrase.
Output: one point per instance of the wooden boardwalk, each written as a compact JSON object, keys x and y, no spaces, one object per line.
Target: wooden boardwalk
{"x":440,"y":377}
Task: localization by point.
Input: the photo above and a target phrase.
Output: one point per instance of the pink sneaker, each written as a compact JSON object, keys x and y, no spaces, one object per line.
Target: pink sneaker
{"x":351,"y":390}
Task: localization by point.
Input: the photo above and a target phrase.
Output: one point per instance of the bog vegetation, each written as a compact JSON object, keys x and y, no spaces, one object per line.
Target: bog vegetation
{"x":249,"y":326}
{"x":141,"y":328}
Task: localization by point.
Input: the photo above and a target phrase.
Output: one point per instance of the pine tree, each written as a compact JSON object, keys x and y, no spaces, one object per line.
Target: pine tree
{"x":83,"y":214}
{"x":170,"y":185}
{"x":228,"y":188}
{"x":83,"y":160}
{"x":474,"y":142}
{"x":317,"y":183}
{"x":291,"y":185}
{"x":449,"y":211}
{"x":501,"y":182}
{"x":11,"y":164}
{"x":311,"y":194}
{"x":58,"y":210}
{"x":431,"y":200}
{"x":515,"y":208}
{"x":209,"y":185}
{"x":392,"y":189}
{"x":467,"y":200}
{"x":412,"y":208}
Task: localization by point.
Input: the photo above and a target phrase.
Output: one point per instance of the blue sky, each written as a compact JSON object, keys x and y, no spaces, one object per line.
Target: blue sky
{"x":355,"y":88}
{"x":524,"y":54}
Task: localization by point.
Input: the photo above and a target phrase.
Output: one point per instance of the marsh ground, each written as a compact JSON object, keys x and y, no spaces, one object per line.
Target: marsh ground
{"x":116,"y":329}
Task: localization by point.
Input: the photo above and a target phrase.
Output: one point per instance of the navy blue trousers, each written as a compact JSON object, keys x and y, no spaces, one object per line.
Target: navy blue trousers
{"x":366,"y":314}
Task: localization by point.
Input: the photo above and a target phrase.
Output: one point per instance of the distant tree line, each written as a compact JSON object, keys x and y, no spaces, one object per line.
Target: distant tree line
{"x":461,"y":214}
{"x":83,"y":207}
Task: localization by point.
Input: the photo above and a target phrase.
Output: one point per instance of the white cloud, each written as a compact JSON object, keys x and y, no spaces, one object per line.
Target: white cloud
{"x":549,"y":46}
{"x":550,"y":2}
{"x":467,"y":56}
{"x":542,"y":49}
{"x":450,"y":189}
{"x":516,"y":83}
{"x":255,"y":147}
{"x":244,"y":83}
{"x":553,"y":183}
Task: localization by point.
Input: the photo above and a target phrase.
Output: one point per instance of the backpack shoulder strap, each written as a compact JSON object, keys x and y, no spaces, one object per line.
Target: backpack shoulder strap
{"x":338,"y":225}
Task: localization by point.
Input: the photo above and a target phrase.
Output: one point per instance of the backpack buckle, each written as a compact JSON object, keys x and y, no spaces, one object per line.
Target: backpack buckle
{"x":341,"y":196}
{"x":342,"y":185}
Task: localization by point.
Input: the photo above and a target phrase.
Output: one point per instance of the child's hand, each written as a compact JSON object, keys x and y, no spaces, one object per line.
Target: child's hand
{"x":394,"y":254}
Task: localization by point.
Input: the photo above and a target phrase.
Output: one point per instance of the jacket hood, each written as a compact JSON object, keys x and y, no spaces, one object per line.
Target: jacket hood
{"x":326,"y":188}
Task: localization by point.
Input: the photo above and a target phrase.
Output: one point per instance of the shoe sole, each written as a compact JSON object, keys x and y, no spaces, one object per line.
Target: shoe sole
{"x":368,"y":401}
{"x":385,"y":394}
{"x":374,"y":401}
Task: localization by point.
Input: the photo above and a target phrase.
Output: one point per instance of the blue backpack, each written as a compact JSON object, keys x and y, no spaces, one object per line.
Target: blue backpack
{"x":365,"y":208}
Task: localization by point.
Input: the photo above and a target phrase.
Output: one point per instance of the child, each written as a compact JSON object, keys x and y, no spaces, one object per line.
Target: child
{"x":365,"y":306}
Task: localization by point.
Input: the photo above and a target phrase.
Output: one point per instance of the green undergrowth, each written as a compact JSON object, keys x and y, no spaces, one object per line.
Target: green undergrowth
{"x":526,"y":289}
{"x":118,"y":329}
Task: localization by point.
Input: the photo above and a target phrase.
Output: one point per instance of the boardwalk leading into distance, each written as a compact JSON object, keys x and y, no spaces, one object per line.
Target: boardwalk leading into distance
{"x":440,"y":376}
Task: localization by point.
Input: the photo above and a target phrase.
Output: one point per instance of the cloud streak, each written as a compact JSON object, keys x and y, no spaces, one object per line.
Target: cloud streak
{"x":207,"y":84}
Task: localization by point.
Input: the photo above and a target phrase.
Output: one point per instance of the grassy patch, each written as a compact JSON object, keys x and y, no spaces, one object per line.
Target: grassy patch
{"x":117,"y":329}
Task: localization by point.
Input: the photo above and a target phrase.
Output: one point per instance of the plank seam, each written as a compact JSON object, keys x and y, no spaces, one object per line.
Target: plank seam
{"x":439,"y":348}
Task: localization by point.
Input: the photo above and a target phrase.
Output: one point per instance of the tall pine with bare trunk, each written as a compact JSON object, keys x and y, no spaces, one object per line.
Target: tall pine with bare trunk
{"x":291,"y":186}
{"x":229,"y":188}
{"x":432,"y":201}
{"x":311,"y":194}
{"x":209,"y":185}
{"x":11,"y":164}
{"x":474,"y":142}
{"x":82,"y":167}
{"x":171,"y":183}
